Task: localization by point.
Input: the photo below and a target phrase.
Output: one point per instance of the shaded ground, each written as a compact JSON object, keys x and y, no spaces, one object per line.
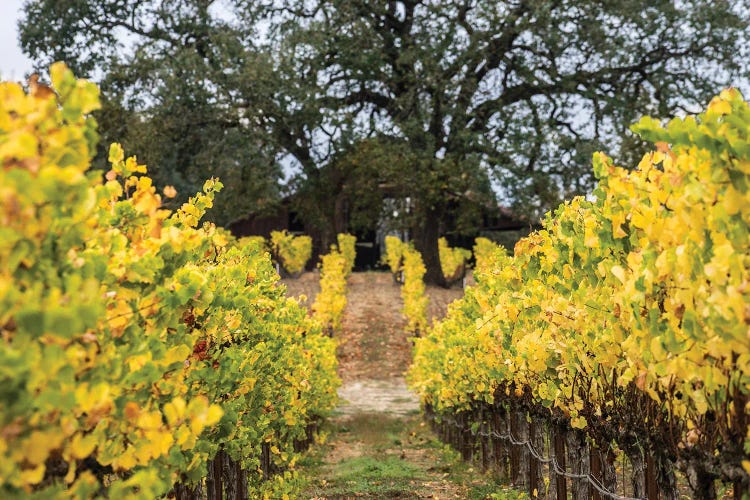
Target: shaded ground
{"x":378,"y":446}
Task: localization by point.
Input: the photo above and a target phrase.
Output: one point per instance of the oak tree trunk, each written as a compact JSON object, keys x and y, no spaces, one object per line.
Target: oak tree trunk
{"x":426,"y":234}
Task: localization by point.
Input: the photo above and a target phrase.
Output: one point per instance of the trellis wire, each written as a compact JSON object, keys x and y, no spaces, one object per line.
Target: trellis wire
{"x":593,"y":481}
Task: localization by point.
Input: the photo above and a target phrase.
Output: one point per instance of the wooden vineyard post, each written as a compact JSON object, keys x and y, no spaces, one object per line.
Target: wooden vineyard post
{"x":241,"y":481}
{"x":456,"y":433}
{"x":235,"y":480}
{"x":453,"y":434}
{"x":524,"y":457}
{"x":265,"y":460}
{"x":561,"y":482}
{"x":462,"y":435}
{"x":467,"y":439}
{"x":213,"y":479}
{"x":738,"y":489}
{"x":536,"y":478}
{"x":500,"y":448}
{"x":451,"y":431}
{"x":515,"y":450}
{"x":485,"y":439}
{"x":533,"y":467}
{"x":184,"y":492}
{"x":579,"y":463}
{"x":596,"y":470}
{"x":446,"y":431}
{"x":609,"y":471}
{"x":652,"y":489}
{"x":638,"y":463}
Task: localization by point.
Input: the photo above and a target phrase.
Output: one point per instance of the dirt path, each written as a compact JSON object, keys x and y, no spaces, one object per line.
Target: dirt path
{"x":373,"y":345}
{"x":379,"y":447}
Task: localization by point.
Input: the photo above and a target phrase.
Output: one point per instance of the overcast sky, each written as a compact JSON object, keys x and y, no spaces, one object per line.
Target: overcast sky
{"x":13,"y":64}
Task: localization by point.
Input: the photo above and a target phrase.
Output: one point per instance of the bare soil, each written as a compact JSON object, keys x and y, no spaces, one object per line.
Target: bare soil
{"x":373,"y":343}
{"x":377,"y":425}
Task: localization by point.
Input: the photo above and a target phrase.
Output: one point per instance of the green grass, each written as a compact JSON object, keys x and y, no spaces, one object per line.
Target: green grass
{"x":459,"y":472}
{"x":379,"y":477}
{"x":394,"y":458}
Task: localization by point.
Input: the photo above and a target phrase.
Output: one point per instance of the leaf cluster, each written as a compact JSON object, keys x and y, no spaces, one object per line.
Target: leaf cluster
{"x":135,"y":342}
{"x":627,"y":314}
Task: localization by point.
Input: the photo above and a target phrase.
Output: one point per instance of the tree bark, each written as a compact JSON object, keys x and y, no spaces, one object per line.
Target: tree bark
{"x":426,"y":234}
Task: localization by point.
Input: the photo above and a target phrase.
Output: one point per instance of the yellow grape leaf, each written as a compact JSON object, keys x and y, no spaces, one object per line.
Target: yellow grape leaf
{"x":730,"y":94}
{"x":70,"y":476}
{"x":160,"y":442}
{"x":135,"y":363}
{"x":118,"y":317}
{"x":82,"y":446}
{"x":185,"y":438}
{"x":699,"y":399}
{"x":154,"y":445}
{"x":19,"y":144}
{"x":578,"y":422}
{"x":146,"y":202}
{"x":37,"y":446}
{"x":177,"y":353}
{"x":220,"y":240}
{"x":175,"y":411}
{"x":206,"y":418}
{"x":126,"y":460}
{"x":214,"y":414}
{"x":290,"y":418}
{"x":33,"y":476}
{"x":618,"y":220}
{"x":132,"y":411}
{"x":619,"y":273}
{"x":746,"y":465}
{"x":61,"y":76}
{"x":132,"y":166}
{"x":719,"y":106}
{"x":150,"y":420}
{"x":98,"y":398}
{"x":657,"y":350}
{"x":116,"y":155}
{"x":734,"y":201}
{"x":170,"y":192}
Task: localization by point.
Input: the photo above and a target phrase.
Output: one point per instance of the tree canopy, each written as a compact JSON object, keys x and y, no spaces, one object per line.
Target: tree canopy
{"x":448,"y":98}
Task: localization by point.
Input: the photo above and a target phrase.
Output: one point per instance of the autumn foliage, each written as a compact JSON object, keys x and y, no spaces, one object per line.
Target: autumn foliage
{"x":627,"y":315}
{"x":134,"y":342}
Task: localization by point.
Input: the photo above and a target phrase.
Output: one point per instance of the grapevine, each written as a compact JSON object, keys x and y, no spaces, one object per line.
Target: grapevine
{"x":452,"y":260}
{"x":413,"y":291}
{"x":394,"y":251}
{"x":627,"y":314}
{"x":330,"y":303}
{"x":347,"y":245}
{"x":136,"y":342}
{"x":290,"y":251}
